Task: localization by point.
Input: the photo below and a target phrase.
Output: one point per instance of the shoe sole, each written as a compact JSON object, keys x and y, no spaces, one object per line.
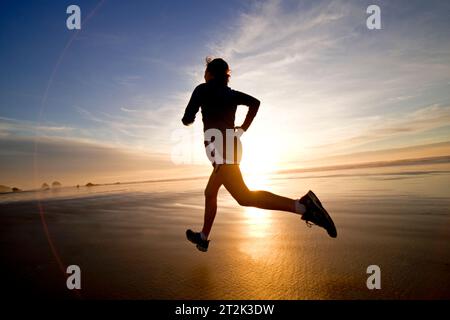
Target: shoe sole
{"x":332,"y":232}
{"x":202,"y":249}
{"x":199,"y":247}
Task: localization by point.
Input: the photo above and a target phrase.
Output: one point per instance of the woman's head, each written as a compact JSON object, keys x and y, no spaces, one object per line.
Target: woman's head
{"x":217,"y":69}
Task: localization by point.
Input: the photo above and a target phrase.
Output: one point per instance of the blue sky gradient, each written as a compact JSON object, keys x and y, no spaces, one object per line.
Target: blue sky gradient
{"x":328,"y":85}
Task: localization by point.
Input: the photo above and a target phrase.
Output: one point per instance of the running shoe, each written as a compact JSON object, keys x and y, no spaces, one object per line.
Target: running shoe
{"x":316,"y":214}
{"x":196,"y":238}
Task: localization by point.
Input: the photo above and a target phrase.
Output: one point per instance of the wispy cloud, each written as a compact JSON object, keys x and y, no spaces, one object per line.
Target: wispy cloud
{"x":128,"y":109}
{"x":377,"y":164}
{"x":146,"y":128}
{"x":127,"y":80}
{"x":11,"y":127}
{"x":322,"y":76}
{"x":369,"y":129}
{"x":28,"y":161}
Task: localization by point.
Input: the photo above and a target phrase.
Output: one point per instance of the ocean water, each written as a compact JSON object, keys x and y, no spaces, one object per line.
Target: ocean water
{"x":129,"y":239}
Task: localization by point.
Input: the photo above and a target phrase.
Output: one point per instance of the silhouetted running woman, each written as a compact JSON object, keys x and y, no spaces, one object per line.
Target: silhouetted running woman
{"x":218,"y":104}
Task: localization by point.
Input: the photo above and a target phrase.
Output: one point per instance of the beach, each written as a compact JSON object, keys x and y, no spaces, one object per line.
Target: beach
{"x":129,"y":240}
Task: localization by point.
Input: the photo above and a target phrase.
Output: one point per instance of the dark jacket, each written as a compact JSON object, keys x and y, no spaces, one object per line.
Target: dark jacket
{"x":218,"y":104}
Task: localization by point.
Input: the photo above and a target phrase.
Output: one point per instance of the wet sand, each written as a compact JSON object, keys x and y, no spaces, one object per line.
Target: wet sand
{"x":129,"y":241}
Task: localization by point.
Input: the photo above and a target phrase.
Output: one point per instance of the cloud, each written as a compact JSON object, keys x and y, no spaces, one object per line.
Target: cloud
{"x":128,"y":109}
{"x":123,"y":123}
{"x":380,"y":164}
{"x":32,"y":153}
{"x":147,"y":127}
{"x":371,"y":129}
{"x":10,"y":127}
{"x":29,"y":161}
{"x":127,"y":80}
{"x":322,"y":76}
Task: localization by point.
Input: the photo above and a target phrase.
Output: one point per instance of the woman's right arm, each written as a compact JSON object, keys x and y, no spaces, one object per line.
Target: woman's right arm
{"x":192,"y":107}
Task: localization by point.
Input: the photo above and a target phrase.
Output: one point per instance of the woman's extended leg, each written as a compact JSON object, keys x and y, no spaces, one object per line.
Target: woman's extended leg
{"x":234,"y":183}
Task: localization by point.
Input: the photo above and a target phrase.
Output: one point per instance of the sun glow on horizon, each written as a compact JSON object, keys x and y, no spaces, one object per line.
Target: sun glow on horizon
{"x":261,"y":156}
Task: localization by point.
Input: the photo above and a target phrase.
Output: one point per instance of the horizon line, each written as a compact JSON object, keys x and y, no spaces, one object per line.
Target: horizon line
{"x":362,"y":165}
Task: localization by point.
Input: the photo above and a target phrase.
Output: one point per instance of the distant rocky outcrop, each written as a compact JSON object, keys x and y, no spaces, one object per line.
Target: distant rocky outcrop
{"x":45,"y":186}
{"x":56,"y":184}
{"x":16,"y":189}
{"x":90,"y":184}
{"x":4,"y":189}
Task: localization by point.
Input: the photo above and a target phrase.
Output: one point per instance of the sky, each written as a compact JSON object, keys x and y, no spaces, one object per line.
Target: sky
{"x":104,"y":103}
